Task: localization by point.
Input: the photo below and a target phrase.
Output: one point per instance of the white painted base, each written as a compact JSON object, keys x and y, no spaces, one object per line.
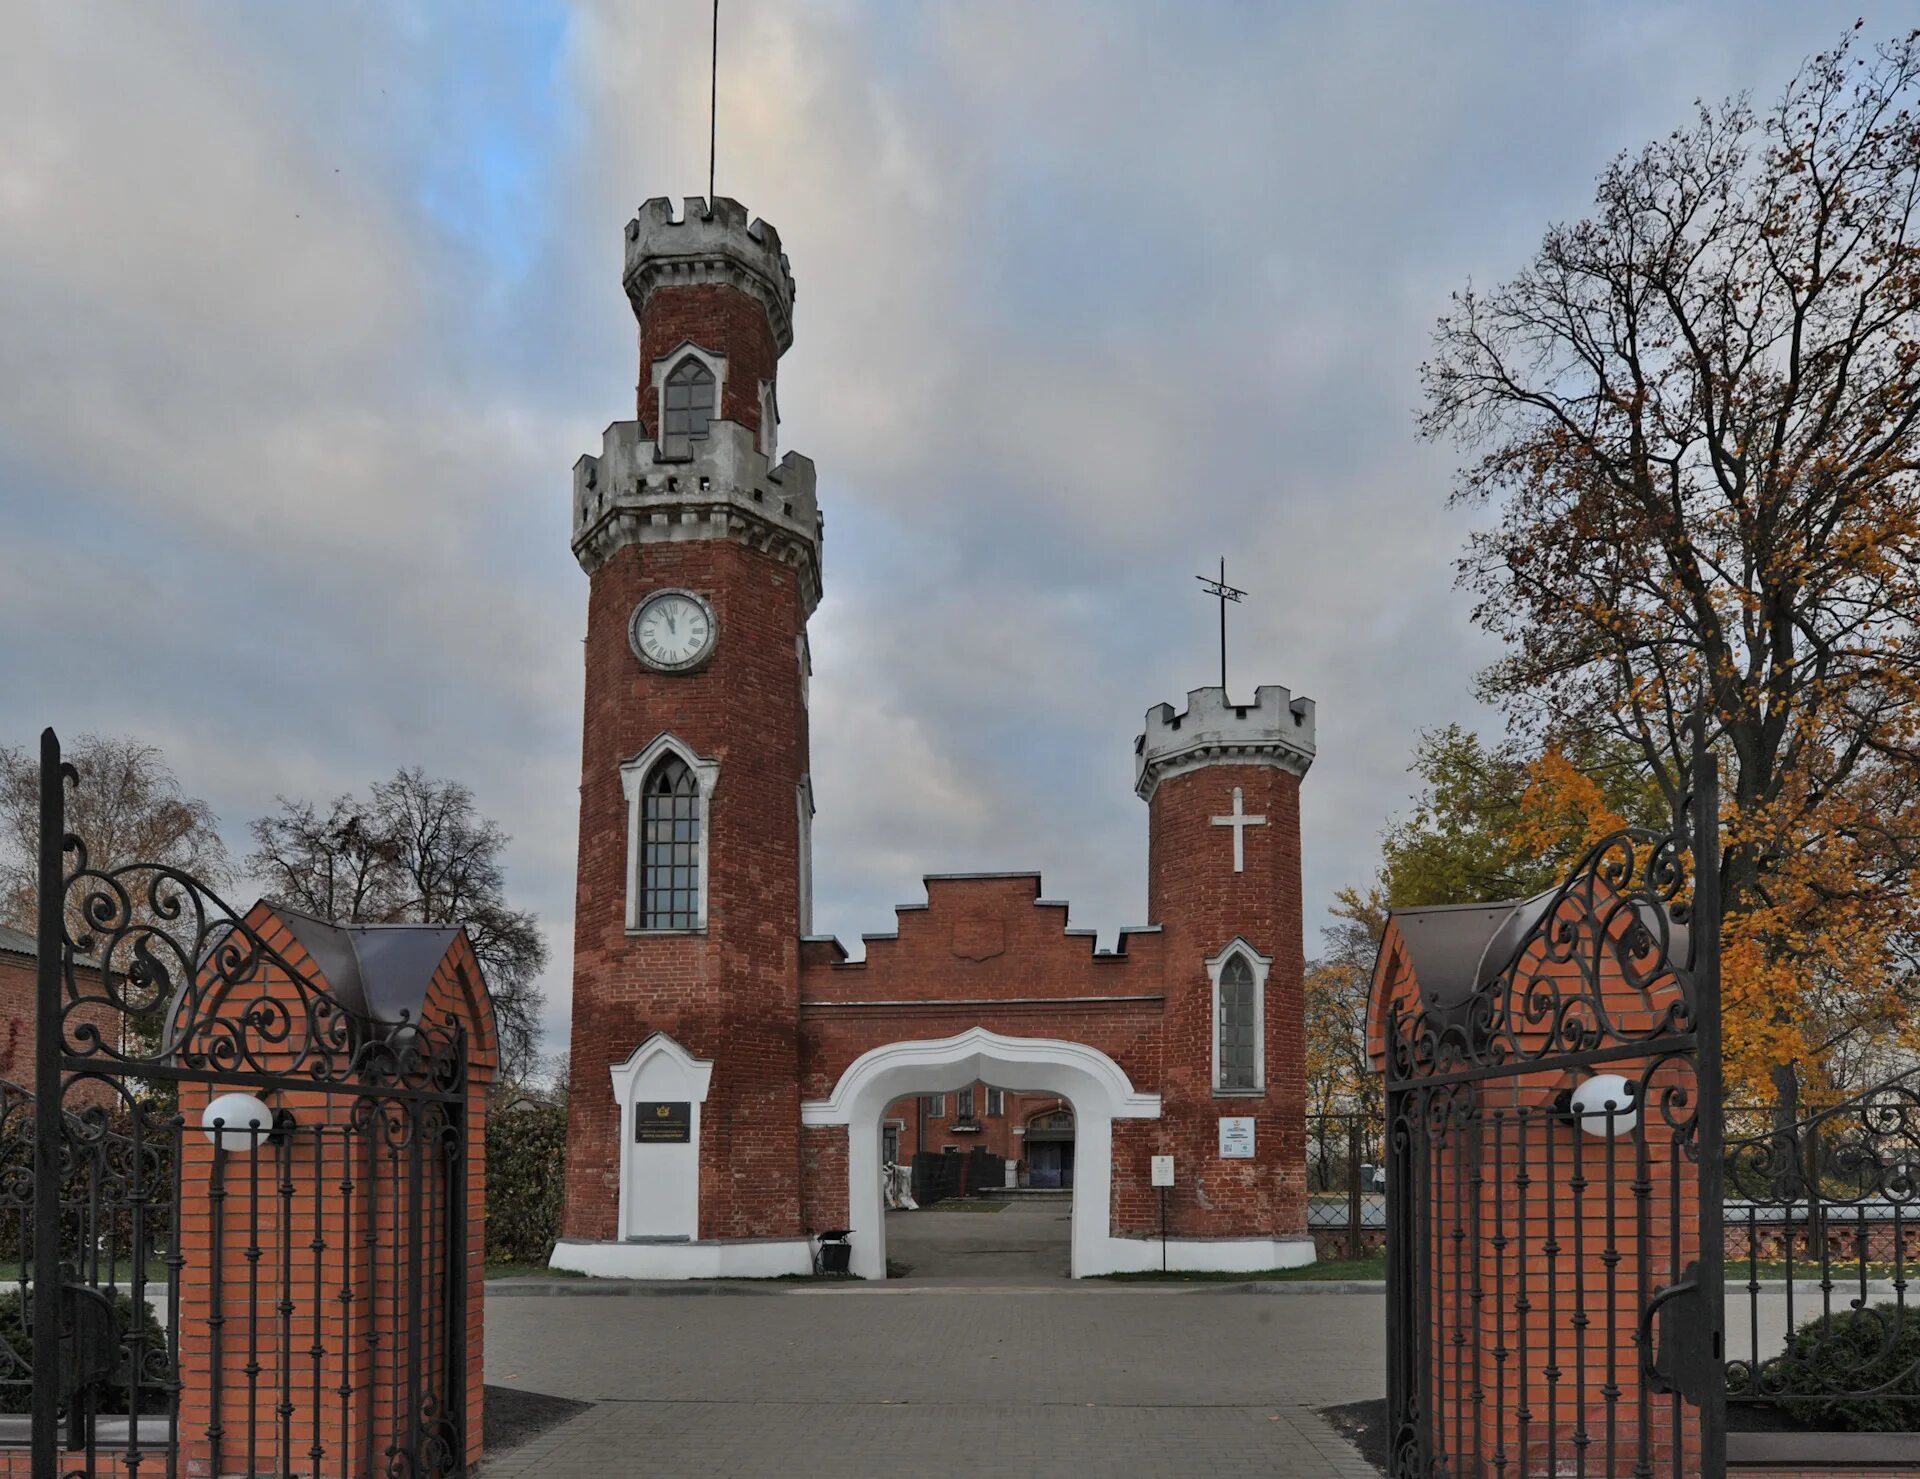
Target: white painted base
{"x":1206,"y":1255}
{"x":756,"y":1258}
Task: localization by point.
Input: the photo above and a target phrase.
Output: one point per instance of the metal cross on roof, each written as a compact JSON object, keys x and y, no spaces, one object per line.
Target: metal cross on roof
{"x":1225,"y":593}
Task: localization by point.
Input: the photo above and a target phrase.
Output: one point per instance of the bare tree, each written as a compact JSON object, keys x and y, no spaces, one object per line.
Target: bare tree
{"x":415,"y":850}
{"x":1698,"y":414}
{"x":129,"y":807}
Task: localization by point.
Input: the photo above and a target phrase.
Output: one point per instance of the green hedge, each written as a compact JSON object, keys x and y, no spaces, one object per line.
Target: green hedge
{"x":16,"y":1391}
{"x":526,"y":1182}
{"x":1876,"y":1349}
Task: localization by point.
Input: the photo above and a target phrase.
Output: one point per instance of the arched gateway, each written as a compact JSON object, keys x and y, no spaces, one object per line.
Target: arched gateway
{"x":729,"y":1067}
{"x":1097,"y":1087}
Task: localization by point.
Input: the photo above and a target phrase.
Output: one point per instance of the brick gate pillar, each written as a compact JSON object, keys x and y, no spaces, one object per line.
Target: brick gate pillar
{"x":325,"y":1318}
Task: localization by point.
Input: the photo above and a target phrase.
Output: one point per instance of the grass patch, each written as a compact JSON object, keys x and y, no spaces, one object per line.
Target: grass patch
{"x":530,"y":1271}
{"x":1325,"y":1271}
{"x":954,"y":1204}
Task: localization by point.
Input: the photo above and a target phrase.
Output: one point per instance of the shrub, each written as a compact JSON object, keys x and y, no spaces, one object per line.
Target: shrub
{"x":1873,"y":1352}
{"x":526,"y":1182}
{"x":16,"y":1395}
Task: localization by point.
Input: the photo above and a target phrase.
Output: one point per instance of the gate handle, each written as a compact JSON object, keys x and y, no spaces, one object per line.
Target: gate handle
{"x":1694,"y":1338}
{"x":1649,"y":1367}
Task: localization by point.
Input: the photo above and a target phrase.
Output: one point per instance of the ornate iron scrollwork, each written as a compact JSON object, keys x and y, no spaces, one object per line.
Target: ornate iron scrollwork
{"x":1620,"y":918}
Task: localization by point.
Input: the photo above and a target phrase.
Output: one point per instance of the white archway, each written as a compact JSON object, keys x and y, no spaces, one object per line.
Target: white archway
{"x":1096,"y":1086}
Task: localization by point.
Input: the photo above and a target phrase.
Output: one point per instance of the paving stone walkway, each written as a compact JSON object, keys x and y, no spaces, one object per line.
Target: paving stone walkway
{"x":1128,"y":1381}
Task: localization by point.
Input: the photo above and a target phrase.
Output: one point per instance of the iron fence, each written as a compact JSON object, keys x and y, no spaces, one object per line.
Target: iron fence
{"x":1347,"y":1182}
{"x":1820,"y":1221}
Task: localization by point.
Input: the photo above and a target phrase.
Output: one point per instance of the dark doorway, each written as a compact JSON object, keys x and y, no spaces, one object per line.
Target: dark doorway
{"x":1049,"y":1148}
{"x":1050,"y":1162}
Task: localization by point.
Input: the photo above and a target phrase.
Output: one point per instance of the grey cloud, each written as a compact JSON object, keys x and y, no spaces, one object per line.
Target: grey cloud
{"x":1088,"y":296}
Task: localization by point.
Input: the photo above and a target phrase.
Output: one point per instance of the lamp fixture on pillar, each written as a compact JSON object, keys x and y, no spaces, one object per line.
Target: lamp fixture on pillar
{"x":240,"y":1123}
{"x":1603,"y":1104}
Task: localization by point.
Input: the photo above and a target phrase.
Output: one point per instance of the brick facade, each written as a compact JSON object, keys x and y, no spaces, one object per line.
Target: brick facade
{"x":1000,"y":1134}
{"x":19,"y":989}
{"x":780,"y":1019}
{"x":19,"y":977}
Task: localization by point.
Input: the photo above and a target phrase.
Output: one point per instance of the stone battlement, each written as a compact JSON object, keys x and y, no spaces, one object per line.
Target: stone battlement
{"x":709,"y":244}
{"x":1275,"y":729}
{"x":725,"y":489}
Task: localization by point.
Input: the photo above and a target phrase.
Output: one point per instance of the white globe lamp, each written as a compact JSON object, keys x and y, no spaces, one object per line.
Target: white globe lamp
{"x":237,"y":1123}
{"x":1594,"y":1097}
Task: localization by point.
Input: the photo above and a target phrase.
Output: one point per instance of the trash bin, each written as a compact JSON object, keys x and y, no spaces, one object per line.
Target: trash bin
{"x":835,"y":1251}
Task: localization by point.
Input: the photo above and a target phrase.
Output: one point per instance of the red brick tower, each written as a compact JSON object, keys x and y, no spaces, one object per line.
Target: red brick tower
{"x":704,"y":558}
{"x":1222,"y":786}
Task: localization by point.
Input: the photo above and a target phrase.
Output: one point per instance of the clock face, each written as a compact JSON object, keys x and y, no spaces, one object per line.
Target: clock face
{"x":672,"y":630}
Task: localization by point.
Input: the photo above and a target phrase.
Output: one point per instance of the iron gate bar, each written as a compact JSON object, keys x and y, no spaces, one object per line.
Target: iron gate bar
{"x":272,"y":1083}
{"x":47,"y":1126}
{"x":1592,"y":1058}
{"x":1709,"y":1132}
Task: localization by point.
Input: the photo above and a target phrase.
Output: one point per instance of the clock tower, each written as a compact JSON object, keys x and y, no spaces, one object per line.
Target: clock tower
{"x":701,"y":543}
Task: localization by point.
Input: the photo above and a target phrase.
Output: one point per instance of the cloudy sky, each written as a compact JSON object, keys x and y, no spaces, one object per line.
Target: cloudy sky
{"x":306,"y":312}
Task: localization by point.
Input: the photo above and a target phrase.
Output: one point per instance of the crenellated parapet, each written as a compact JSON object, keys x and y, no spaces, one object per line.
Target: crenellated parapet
{"x":1275,"y":729}
{"x":725,"y":489}
{"x":709,"y":244}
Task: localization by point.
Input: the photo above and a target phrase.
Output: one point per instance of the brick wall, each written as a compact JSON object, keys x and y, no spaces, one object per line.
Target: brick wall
{"x":1003,"y":1134}
{"x":1203,"y":904}
{"x":983,"y":953}
{"x":19,"y":977}
{"x":722,"y":321}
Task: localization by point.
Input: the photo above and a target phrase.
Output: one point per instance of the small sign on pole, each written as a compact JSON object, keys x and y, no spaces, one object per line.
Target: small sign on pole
{"x":1163,"y":1170}
{"x":1236,"y":1138}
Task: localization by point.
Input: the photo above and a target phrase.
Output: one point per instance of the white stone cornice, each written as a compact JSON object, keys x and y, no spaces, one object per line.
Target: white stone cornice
{"x":709,"y":244}
{"x":725,"y":489}
{"x":1276,"y":729}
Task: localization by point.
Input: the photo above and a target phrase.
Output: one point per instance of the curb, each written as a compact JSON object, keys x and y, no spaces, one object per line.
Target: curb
{"x":617,"y":1288}
{"x":668,"y":1288}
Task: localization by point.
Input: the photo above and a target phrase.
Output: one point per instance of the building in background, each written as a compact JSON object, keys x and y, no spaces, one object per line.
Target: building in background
{"x":733,"y":1074}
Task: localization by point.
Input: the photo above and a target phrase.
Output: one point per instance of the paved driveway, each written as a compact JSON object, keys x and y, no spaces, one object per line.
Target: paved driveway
{"x":951,"y":1244}
{"x":843,"y":1382}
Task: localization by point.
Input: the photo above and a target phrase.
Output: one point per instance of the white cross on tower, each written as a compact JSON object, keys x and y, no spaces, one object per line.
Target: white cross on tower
{"x":1239,"y":821}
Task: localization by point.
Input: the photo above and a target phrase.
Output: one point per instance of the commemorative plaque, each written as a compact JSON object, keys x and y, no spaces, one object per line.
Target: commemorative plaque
{"x":662,"y":1122}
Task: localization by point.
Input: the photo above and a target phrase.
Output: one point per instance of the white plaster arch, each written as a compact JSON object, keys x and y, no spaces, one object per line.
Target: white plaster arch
{"x":1097,"y":1087}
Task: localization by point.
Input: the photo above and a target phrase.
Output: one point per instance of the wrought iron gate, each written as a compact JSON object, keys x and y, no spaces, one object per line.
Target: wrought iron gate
{"x":196,"y":1291}
{"x":1554,"y":1250}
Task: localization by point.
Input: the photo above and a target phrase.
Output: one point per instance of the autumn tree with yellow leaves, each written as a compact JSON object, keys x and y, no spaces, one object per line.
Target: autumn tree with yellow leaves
{"x":1695,"y":415}
{"x":1488,"y":822}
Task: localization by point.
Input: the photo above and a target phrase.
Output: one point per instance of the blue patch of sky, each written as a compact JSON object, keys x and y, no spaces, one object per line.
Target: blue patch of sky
{"x":503,"y":118}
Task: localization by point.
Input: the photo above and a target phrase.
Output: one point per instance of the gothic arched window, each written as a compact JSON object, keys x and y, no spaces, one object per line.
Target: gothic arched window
{"x":1237,"y":1018}
{"x":690,"y":400}
{"x":670,"y":847}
